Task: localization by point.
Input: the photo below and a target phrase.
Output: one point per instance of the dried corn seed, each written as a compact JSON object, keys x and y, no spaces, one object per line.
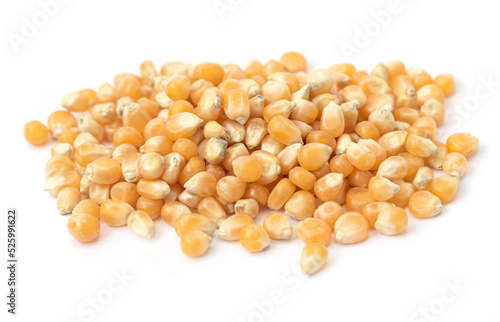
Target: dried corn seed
{"x":350,"y":228}
{"x":312,"y":230}
{"x":391,"y":221}
{"x":195,"y":243}
{"x":424,"y":204}
{"x":190,"y":221}
{"x":301,"y":205}
{"x":231,"y":227}
{"x":420,"y":147}
{"x":423,"y":177}
{"x":84,"y":227}
{"x":125,"y":191}
{"x":254,"y":238}
{"x":313,"y":156}
{"x":212,"y":209}
{"x":283,"y":190}
{"x":230,"y":188}
{"x":67,"y":199}
{"x":172,"y":210}
{"x":463,"y":143}
{"x":141,"y":224}
{"x":455,"y":163}
{"x":202,"y":184}
{"x":328,"y":187}
{"x":115,"y":212}
{"x":151,"y":206}
{"x":313,"y":258}
{"x":381,"y":189}
{"x":247,"y":206}
{"x":444,"y":187}
{"x":278,"y":226}
{"x":393,"y":168}
{"x":373,"y":209}
{"x":360,"y":156}
{"x":153,"y":189}
{"x":36,"y":133}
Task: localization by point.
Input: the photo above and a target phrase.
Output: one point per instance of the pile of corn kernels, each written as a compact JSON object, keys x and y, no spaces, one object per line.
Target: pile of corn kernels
{"x":206,"y":146}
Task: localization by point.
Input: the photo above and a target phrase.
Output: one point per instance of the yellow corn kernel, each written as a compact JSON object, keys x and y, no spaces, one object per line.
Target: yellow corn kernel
{"x":271,"y":145}
{"x":246,"y":168}
{"x":313,"y":258}
{"x":401,"y":198}
{"x":391,"y":221}
{"x":278,"y":226}
{"x":231,"y":227}
{"x":182,"y":125}
{"x":357,"y":198}
{"x":104,"y":171}
{"x":301,"y":205}
{"x":84,"y":227}
{"x":340,"y":164}
{"x":446,"y":82}
{"x":172,"y":210}
{"x":393,"y":168}
{"x":418,"y":76}
{"x":99,"y":192}
{"x":190,"y":221}
{"x":257,"y":192}
{"x":293,"y":62}
{"x":359,"y":178}
{"x":124,"y":191}
{"x":313,"y":156}
{"x":232,"y":153}
{"x":58,"y":164}
{"x":436,"y":161}
{"x":151,"y":206}
{"x":212,"y":209}
{"x":87,"y":206}
{"x":191,"y":168}
{"x":36,"y":133}
{"x":211,"y":72}
{"x":230,"y":188}
{"x":373,"y":209}
{"x":59,"y":121}
{"x":141,"y":224}
{"x":186,"y":148}
{"x":75,"y":101}
{"x":404,"y":92}
{"x":62,"y":180}
{"x":381,"y":71}
{"x":355,"y":94}
{"x":68,"y":136}
{"x":89,"y":152}
{"x":332,"y":120}
{"x":312,"y":230}
{"x":433,"y":109}
{"x":178,"y":87}
{"x":153,"y":189}
{"x":444,"y":187}
{"x":256,"y":130}
{"x":360,"y":156}
{"x":413,"y":162}
{"x":321,"y":81}
{"x":195,"y":243}
{"x":304,"y":111}
{"x":424,"y":204}
{"x":328,"y":187}
{"x":367,"y":130}
{"x":115,"y":212}
{"x":67,"y":199}
{"x":89,"y":125}
{"x":215,"y":150}
{"x":381,"y":189}
{"x":202,"y":184}
{"x":429,"y":91}
{"x":329,"y":212}
{"x":393,"y":141}
{"x":128,"y":135}
{"x":247,"y":206}
{"x":283,"y":190}
{"x":351,"y":227}
{"x":236,"y":105}
{"x":455,"y":164}
{"x":423,"y":177}
{"x":377,"y":150}
{"x":409,"y":115}
{"x":270,"y":166}
{"x":420,"y":147}
{"x":302,"y":178}
{"x":174,"y":164}
{"x":284,"y":130}
{"x":254,"y":238}
{"x":463,"y":143}
{"x":175,"y":190}
{"x":383,"y":119}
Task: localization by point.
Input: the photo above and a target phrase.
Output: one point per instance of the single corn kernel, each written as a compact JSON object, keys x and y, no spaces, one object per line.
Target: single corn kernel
{"x":232,"y":153}
{"x":62,"y":180}
{"x":36,"y":133}
{"x":288,"y":157}
{"x":236,"y":130}
{"x":99,"y":192}
{"x":89,"y":125}
{"x":257,"y":192}
{"x":174,"y":164}
{"x":329,"y":212}
{"x":75,"y":101}
{"x":151,"y":206}
{"x":313,"y":258}
{"x":247,"y":206}
{"x":195,"y":243}
{"x":332,"y":120}
{"x":367,"y":130}
{"x":433,"y":109}
{"x":393,"y":141}
{"x":214,"y":129}
{"x":87,"y":206}
{"x":293,"y":62}
{"x":190,"y":221}
{"x":455,"y":163}
{"x":278,"y":226}
{"x":304,"y":111}
{"x":230,"y":188}
{"x":436,"y":161}
{"x":155,"y":127}
{"x":383,"y":119}
{"x":359,"y":178}
{"x":254,"y":238}
{"x":320,"y":81}
{"x":89,"y":152}
{"x":202,"y":184}
{"x":409,"y":115}
{"x":424,"y":204}
{"x":446,"y":82}
{"x":129,"y":167}
{"x":212,"y":209}
{"x":58,"y":164}
{"x":312,"y":230}
{"x":391,"y":221}
{"x":236,"y":105}
{"x":182,"y":125}
{"x":313,"y":156}
{"x":360,"y":156}
{"x":215,"y":150}
{"x":153,"y":189}
{"x":373,"y":209}
{"x":283,"y":190}
{"x":284,"y":130}
{"x":128,"y":135}
{"x":357,"y":198}
{"x":212,"y":72}
{"x":351,"y":227}
{"x":355,"y":94}
{"x":159,"y":144}
{"x":420,"y":147}
{"x":104,"y":171}
{"x":141,"y":224}
{"x":172,"y":210}
{"x":328,"y":187}
{"x":231,"y":227}
{"x":125,"y":191}
{"x":84,"y":227}
{"x":186,"y":148}
{"x":175,"y":190}
{"x":274,"y":91}
{"x":393,"y":168}
{"x":301,"y":205}
{"x":191,"y":168}
{"x":115,"y":212}
{"x":302,"y":178}
{"x":246,"y":168}
{"x":381,"y":189}
{"x":270,"y":166}
{"x":444,"y":187}
{"x":67,"y":199}
{"x":463,"y":143}
{"x":401,"y":198}
{"x":59,"y":121}
{"x":423,"y":177}
{"x":429,"y":91}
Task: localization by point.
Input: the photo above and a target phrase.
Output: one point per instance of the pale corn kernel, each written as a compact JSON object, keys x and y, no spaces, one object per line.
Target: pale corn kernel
{"x":281,"y":107}
{"x":151,"y":165}
{"x":321,"y":81}
{"x":68,"y":136}
{"x":232,"y":153}
{"x":329,"y":212}
{"x":84,"y":227}
{"x":463,"y":143}
{"x":141,"y":224}
{"x":153,"y":189}
{"x":125,"y":191}
{"x":418,"y":76}
{"x":89,"y":125}
{"x":62,"y":180}
{"x":202,"y":184}
{"x":128,"y":85}
{"x":273,"y":66}
{"x":428,"y":125}
{"x":420,"y":147}
{"x":313,"y":258}
{"x":383,"y":119}
{"x":351,"y":227}
{"x":288,"y":157}
{"x":355,"y":94}
{"x":367,"y":130}
{"x":104,"y":171}
{"x":436,"y":161}
{"x":318,"y":136}
{"x":105,"y":93}
{"x":359,"y":178}
{"x":413,"y":162}
{"x":341,"y":79}
{"x":59,"y":121}
{"x":313,"y":156}
{"x":99,"y":192}
{"x":381,"y":189}
{"x":151,"y":206}
{"x":381,"y":71}
{"x":427,"y":92}
{"x":357,"y":198}
{"x":377,"y":150}
{"x":236,"y":131}
{"x":215,"y":150}
{"x":270,"y":165}
{"x":209,"y":106}
{"x":301,"y":205}
{"x":408,"y":114}
{"x":173,"y":210}
{"x":214,"y":129}
{"x":304,"y":111}
{"x":393,"y":141}
{"x":212,"y":209}
{"x":391,"y":221}
{"x":373,"y":209}
{"x":278,"y":226}
{"x":312,"y":230}
{"x":255,"y":131}
{"x":87,"y":206}
{"x":343,"y":193}
{"x":231,"y":227}
{"x":323,"y":100}
{"x":57,"y":164}
{"x":360,"y":156}
{"x":393,"y":168}
{"x":404,"y":92}
{"x":115,"y":212}
{"x":423,"y":177}
{"x":342,"y":144}
{"x":257,"y":192}
{"x":254,"y":238}
{"x":424,"y":204}
{"x":104,"y":113}
{"x":198,"y":87}
{"x":304,"y":128}
{"x":373,"y":85}
{"x":283,"y":190}
{"x":129,"y":167}
{"x":401,"y":126}
{"x":455,"y":164}
{"x":121,"y":104}
{"x":401,"y":198}
{"x":67,"y":199}
{"x":332,"y":120}
{"x":75,"y":101}
{"x":158,"y":144}
{"x":182,"y":125}
{"x":246,"y":168}
{"x":284,"y":130}
{"x":195,"y":243}
{"x":122,"y":150}
{"x":433,"y":109}
{"x":174,"y":164}
{"x":271,"y":145}
{"x":128,"y":135}
{"x":89,"y":152}
{"x":230,"y":188}
{"x":302,"y":178}
{"x":150,"y":106}
{"x":444,"y":187}
{"x":256,"y":105}
{"x":228,"y":206}
{"x":327,"y":188}
{"x":190,"y":221}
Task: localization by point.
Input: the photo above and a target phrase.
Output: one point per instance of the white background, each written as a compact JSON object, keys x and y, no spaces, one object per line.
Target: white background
{"x":383,"y":279}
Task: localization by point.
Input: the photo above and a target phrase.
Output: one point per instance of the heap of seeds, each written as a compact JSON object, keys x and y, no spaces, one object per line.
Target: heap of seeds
{"x":206,"y":146}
